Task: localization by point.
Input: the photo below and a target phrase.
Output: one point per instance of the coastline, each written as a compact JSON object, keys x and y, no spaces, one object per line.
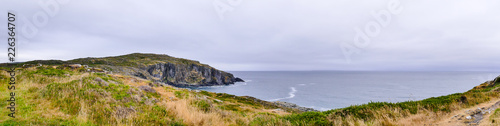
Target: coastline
{"x":123,"y":98}
{"x":130,"y":95}
{"x":351,"y":88}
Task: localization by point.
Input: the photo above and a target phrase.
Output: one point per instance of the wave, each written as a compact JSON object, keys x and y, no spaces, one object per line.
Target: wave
{"x":291,"y":94}
{"x":239,"y":84}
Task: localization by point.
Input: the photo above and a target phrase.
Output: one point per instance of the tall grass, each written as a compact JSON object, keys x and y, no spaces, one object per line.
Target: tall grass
{"x":60,"y":96}
{"x":51,"y":95}
{"x":385,"y":113}
{"x":48,"y":97}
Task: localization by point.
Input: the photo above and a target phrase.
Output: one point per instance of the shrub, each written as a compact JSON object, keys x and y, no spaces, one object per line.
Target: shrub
{"x":50,"y":72}
{"x":309,"y":118}
{"x":181,"y":94}
{"x":203,"y":105}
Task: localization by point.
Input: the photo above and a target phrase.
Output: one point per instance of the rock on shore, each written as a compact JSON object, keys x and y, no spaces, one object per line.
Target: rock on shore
{"x":189,"y":75}
{"x":158,"y":68}
{"x":293,"y":106}
{"x":166,"y":69}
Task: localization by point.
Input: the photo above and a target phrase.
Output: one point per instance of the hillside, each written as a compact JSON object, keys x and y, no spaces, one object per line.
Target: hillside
{"x":154,"y":67}
{"x":107,"y":92}
{"x":60,"y":95}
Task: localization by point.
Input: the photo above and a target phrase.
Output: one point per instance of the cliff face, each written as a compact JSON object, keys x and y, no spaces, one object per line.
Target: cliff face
{"x":189,"y":75}
{"x":155,"y":67}
{"x":165,"y":69}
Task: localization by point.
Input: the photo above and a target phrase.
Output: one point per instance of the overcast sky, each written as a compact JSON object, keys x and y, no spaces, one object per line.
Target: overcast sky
{"x":266,"y":34}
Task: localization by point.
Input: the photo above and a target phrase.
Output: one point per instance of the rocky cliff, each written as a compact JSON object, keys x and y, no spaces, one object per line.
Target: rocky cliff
{"x":155,"y":67}
{"x":165,"y":69}
{"x":188,"y":75}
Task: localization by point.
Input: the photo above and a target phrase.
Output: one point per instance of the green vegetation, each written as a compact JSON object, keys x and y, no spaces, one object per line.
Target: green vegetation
{"x":231,"y":107}
{"x":59,"y":95}
{"x":118,"y":92}
{"x":188,"y":72}
{"x":81,"y":101}
{"x":76,"y":95}
{"x":308,"y":118}
{"x":181,"y":94}
{"x":371,"y":111}
{"x":495,"y":117}
{"x":49,"y":71}
{"x":203,"y":105}
{"x":255,"y":103}
{"x":135,"y":60}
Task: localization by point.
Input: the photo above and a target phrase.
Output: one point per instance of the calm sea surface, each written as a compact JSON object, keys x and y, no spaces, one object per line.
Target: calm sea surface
{"x":324,"y":90}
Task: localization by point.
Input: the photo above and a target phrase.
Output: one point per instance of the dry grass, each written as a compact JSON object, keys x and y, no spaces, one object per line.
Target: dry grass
{"x":43,"y":110}
{"x":398,"y":117}
{"x":185,"y":109}
{"x":395,"y":116}
{"x":192,"y":116}
{"x":494,"y":119}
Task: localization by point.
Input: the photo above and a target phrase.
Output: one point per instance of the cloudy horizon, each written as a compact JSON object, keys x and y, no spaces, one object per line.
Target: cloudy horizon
{"x":239,"y":35}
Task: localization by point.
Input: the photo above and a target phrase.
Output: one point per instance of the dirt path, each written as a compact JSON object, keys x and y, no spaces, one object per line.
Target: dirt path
{"x":472,"y":116}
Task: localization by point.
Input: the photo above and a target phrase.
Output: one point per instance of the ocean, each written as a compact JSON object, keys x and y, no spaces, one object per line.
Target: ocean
{"x":325,"y":90}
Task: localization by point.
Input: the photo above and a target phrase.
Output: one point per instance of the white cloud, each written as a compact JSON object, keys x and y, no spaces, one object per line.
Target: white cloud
{"x":272,"y":35}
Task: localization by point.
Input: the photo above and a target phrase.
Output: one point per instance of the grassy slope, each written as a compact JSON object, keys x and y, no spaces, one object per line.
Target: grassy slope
{"x":135,"y":60}
{"x":129,"y":60}
{"x":136,"y":63}
{"x":124,"y":62}
{"x":49,"y":96}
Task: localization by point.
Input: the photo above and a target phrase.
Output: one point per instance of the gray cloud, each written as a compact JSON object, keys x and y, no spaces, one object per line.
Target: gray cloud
{"x":271,"y":35}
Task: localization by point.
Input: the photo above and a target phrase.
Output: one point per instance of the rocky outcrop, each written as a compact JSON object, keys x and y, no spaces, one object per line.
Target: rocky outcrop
{"x":158,"y":68}
{"x":491,"y":83}
{"x":496,"y":81}
{"x":239,"y":80}
{"x":189,"y":75}
{"x":293,"y":106}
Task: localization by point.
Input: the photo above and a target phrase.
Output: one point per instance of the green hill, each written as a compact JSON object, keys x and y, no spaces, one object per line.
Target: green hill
{"x":154,"y":67}
{"x":110,"y":91}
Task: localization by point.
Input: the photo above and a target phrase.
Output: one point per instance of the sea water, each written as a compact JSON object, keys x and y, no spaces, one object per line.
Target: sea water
{"x":325,"y":90}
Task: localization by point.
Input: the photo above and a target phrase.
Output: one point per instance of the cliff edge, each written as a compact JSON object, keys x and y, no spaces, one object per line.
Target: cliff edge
{"x":155,"y":67}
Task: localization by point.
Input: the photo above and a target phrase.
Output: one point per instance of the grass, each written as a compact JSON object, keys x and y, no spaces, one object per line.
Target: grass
{"x":308,"y":118}
{"x":231,"y":107}
{"x":181,"y":94}
{"x":135,"y":60}
{"x":79,"y":101}
{"x":188,"y":72}
{"x":495,"y":117}
{"x":49,"y":71}
{"x":118,"y":91}
{"x":376,"y":111}
{"x":203,"y":105}
{"x":246,"y":100}
{"x":48,"y":96}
